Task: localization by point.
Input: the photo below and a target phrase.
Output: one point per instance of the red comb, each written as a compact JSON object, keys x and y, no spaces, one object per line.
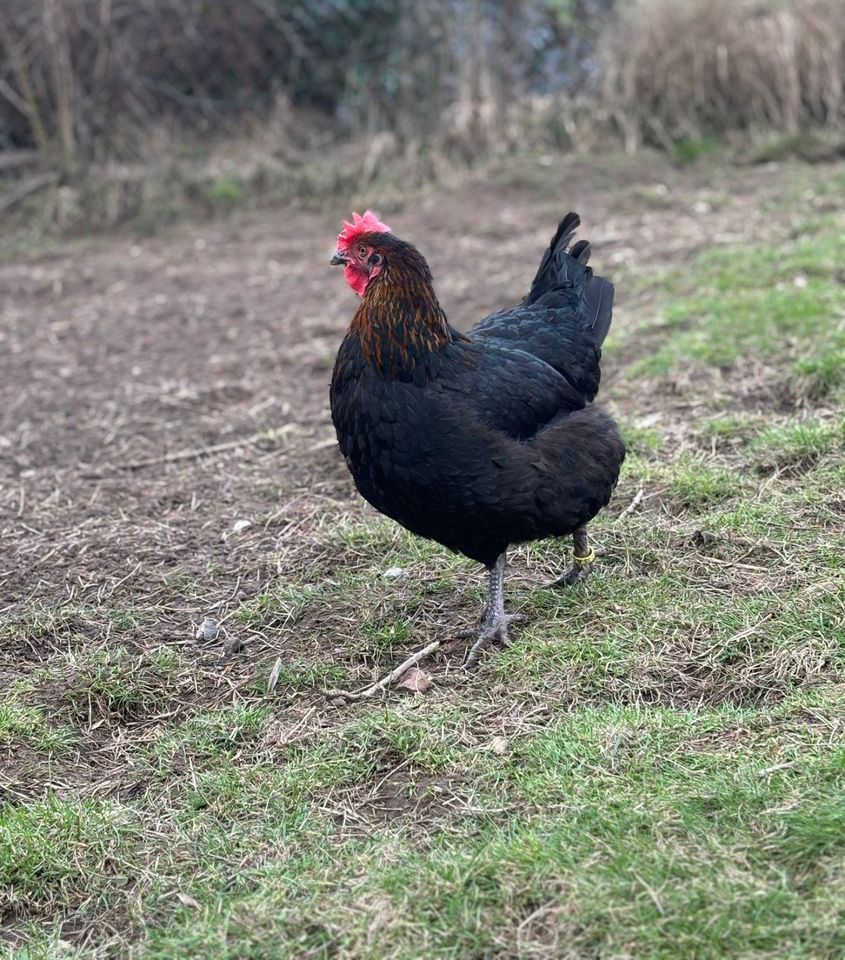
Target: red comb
{"x":369,"y":223}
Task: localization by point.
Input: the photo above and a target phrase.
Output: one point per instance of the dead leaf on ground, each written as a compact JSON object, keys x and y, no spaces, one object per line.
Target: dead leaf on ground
{"x":415,"y":680}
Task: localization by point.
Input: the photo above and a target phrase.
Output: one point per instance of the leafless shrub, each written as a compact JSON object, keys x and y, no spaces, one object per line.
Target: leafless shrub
{"x":85,"y":80}
{"x":130,"y":105}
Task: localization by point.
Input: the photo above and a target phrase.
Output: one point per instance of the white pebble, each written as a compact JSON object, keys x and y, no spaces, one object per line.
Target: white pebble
{"x":207,"y":630}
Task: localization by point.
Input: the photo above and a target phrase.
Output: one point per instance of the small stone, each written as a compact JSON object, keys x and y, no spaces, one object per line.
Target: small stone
{"x":800,"y":281}
{"x":704,"y":538}
{"x":394,"y":573}
{"x":338,"y":701}
{"x":207,"y":630}
{"x":235,"y":645}
{"x":498,"y":745}
{"x":240,"y":525}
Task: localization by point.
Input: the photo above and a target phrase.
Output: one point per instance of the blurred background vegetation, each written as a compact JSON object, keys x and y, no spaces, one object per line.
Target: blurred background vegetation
{"x":109,"y":108}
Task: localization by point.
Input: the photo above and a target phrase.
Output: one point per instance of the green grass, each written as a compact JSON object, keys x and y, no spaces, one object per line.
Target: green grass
{"x":797,"y":445}
{"x":693,"y":484}
{"x":282,"y":606}
{"x":304,"y":676}
{"x":654,"y":768}
{"x":691,"y":151}
{"x":727,"y":427}
{"x":644,"y":831}
{"x":639,"y":439}
{"x":59,"y":853}
{"x":21,"y":723}
{"x":806,"y":146}
{"x":110,"y":683}
{"x":783,"y":305}
{"x":226,"y":192}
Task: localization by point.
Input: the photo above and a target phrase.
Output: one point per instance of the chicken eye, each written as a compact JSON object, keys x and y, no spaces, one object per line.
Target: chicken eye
{"x":362,"y":251}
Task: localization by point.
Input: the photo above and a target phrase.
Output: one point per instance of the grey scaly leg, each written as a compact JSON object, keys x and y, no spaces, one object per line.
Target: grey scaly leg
{"x":494,"y":625}
{"x":583,"y":560}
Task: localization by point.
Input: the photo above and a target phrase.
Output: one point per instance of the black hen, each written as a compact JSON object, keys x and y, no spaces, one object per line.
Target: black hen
{"x":483,"y":440}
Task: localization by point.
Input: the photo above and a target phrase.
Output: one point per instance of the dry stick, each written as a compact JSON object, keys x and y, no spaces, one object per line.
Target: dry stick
{"x":8,"y":93}
{"x":12,"y":159}
{"x":27,"y":96}
{"x":392,"y":677}
{"x":632,"y":506}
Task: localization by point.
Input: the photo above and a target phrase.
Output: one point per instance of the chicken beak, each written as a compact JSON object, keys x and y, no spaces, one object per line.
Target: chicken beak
{"x":338,"y":260}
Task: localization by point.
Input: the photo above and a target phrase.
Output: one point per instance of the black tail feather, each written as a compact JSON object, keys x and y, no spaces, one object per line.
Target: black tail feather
{"x":548,"y":269}
{"x":558,"y":266}
{"x":581,"y":251}
{"x":598,"y":300}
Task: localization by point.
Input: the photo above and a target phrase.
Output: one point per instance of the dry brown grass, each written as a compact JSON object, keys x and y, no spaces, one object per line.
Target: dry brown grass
{"x":150,"y":112}
{"x":701,"y":68}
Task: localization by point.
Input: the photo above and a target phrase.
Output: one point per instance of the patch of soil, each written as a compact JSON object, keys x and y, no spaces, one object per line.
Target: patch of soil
{"x":405,"y":794}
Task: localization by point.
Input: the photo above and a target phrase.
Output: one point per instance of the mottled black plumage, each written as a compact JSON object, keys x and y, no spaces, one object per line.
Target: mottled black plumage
{"x":483,"y":440}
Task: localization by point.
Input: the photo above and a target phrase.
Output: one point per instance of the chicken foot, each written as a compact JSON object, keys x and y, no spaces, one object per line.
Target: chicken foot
{"x":583,"y":560}
{"x":494,"y":624}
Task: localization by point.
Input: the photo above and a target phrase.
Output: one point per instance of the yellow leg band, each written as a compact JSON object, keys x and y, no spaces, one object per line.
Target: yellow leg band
{"x":585,"y":561}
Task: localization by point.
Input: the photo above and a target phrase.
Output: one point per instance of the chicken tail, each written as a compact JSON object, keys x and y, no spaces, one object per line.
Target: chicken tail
{"x":598,"y":303}
{"x":548,"y":272}
{"x":562,"y":267}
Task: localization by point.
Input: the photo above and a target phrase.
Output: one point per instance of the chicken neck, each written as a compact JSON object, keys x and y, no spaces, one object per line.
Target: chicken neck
{"x":400,"y":319}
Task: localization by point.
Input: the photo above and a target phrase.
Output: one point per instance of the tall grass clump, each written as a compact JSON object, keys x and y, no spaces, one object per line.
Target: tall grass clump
{"x":682,"y":71}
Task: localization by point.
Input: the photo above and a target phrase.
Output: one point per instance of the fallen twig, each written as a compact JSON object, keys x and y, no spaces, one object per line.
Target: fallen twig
{"x":323,"y":444}
{"x":392,"y":677}
{"x":632,"y":506}
{"x":768,"y":771}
